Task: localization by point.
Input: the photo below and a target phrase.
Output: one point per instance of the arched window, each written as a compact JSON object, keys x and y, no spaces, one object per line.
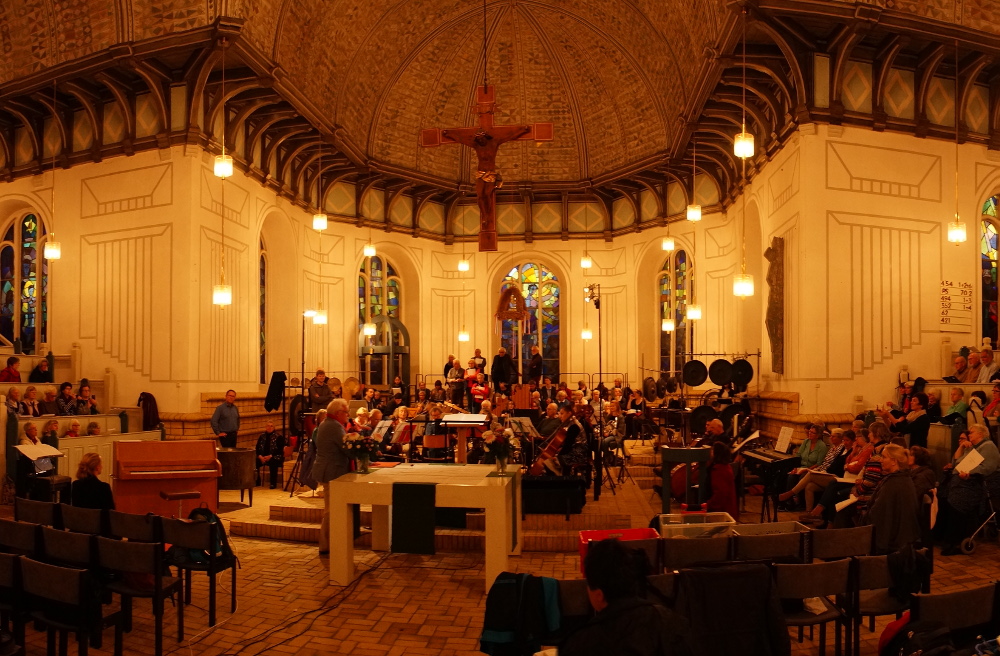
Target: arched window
{"x":24,"y":279}
{"x":379,"y":294}
{"x":262,"y":279}
{"x":540,"y":289}
{"x":675,"y":286}
{"x":988,"y":258}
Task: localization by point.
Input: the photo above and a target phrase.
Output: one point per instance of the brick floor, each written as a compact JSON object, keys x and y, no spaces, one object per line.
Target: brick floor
{"x":399,"y":604}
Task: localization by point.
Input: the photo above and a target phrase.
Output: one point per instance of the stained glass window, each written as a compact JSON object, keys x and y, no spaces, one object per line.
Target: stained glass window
{"x":675,"y":286}
{"x":379,"y":293}
{"x":24,"y":281}
{"x":540,"y":289}
{"x":988,"y":260}
{"x":263,"y":313}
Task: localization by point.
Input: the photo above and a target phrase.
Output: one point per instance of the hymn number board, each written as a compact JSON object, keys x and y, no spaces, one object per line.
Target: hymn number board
{"x":956,"y":306}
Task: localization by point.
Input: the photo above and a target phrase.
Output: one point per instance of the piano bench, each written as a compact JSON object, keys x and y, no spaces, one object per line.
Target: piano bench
{"x":50,"y":488}
{"x":177,"y":496}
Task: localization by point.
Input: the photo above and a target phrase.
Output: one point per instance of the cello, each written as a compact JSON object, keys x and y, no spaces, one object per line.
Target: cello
{"x":548,"y":455}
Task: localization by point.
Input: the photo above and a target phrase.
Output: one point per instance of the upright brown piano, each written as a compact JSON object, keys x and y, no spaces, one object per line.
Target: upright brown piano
{"x":144,"y":470}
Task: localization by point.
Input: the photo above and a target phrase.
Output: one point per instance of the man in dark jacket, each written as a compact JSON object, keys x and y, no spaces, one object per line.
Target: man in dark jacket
{"x":623,"y":622}
{"x":502,"y":369}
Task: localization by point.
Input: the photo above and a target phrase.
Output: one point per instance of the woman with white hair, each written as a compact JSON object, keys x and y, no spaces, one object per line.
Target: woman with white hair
{"x":893,"y":508}
{"x":965,"y":493}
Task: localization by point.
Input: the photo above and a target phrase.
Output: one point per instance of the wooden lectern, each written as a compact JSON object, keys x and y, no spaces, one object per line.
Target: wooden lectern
{"x":145,"y":469}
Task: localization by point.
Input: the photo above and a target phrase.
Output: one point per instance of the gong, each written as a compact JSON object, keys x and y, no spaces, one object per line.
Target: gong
{"x":695,"y":373}
{"x":720,"y":372}
{"x":700,"y":416}
{"x":649,"y":389}
{"x":351,"y":387}
{"x":742,"y":373}
{"x":335,"y":385}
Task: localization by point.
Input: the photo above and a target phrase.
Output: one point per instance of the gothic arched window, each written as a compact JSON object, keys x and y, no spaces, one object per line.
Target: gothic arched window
{"x":988,"y":259}
{"x":262,"y":279}
{"x":24,"y":280}
{"x":379,"y":294}
{"x":675,"y":286}
{"x":540,"y":289}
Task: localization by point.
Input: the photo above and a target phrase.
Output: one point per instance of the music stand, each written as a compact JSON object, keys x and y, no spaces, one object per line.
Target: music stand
{"x":526,"y":432}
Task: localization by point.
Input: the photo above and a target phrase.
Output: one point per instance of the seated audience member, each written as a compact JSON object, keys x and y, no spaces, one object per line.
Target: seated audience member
{"x":992,"y":410}
{"x":722,"y":481}
{"x":548,"y":424}
{"x":66,"y":399}
{"x":547,"y":391}
{"x":893,"y":508}
{"x":975,"y":366}
{"x":30,"y":434}
{"x":905,"y":394}
{"x":562,"y":398}
{"x":958,"y":408}
{"x":422,"y":403}
{"x":270,"y":453}
{"x":438,"y":394}
{"x":50,"y":433}
{"x":320,"y":393}
{"x":614,"y":426}
{"x":596,"y":404}
{"x":11,"y":373}
{"x":866,"y":470}
{"x":934,"y":405}
{"x":924,"y":477}
{"x":49,"y":405}
{"x":916,"y":423}
{"x":964,"y":491}
{"x":93,"y":428}
{"x":813,"y":449}
{"x":370,"y":398}
{"x":989,"y":366}
{"x":961,"y":367}
{"x":29,"y":406}
{"x":404,"y":389}
{"x":977,"y":401}
{"x":86,"y":404}
{"x":41,"y":373}
{"x":89,"y":491}
{"x":390,"y":405}
{"x":74,"y":429}
{"x":815,"y":480}
{"x":536,"y":402}
{"x":13,"y":402}
{"x":43,"y":466}
{"x":623,"y":623}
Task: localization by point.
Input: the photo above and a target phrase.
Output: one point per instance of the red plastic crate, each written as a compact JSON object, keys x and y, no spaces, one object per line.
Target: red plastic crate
{"x":623,"y":534}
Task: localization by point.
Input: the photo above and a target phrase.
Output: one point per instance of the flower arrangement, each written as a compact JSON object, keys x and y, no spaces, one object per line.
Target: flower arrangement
{"x":362,"y":448}
{"x":502,"y":445}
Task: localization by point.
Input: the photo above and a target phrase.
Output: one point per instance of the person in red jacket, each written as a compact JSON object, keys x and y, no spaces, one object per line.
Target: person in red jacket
{"x":722,"y":481}
{"x":479,"y":391}
{"x":10,"y":373}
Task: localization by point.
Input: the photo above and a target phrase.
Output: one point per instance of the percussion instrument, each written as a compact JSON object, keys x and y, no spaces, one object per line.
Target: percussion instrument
{"x":720,"y":372}
{"x":742,"y":373}
{"x":695,"y":373}
{"x":649,"y":389}
{"x":351,"y":387}
{"x":335,"y":385}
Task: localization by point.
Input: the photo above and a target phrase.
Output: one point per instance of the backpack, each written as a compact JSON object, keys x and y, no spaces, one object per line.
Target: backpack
{"x":924,"y":638}
{"x":181,"y":556}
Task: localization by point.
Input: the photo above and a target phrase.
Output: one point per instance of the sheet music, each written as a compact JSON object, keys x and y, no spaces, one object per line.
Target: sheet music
{"x":753,"y":436}
{"x":784,"y":439}
{"x":380,"y":430}
{"x":36,"y":451}
{"x":464,"y":419}
{"x":849,"y":501}
{"x":971,"y":460}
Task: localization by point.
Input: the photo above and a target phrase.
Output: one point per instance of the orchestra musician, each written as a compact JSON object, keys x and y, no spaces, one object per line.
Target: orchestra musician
{"x":438,"y":394}
{"x":548,"y":424}
{"x":575,"y":452}
{"x":422,"y":402}
{"x":635,"y":412}
{"x":614,"y":427}
{"x":434,"y":427}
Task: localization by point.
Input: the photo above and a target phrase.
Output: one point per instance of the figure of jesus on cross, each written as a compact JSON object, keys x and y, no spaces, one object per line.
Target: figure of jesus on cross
{"x":485,"y":139}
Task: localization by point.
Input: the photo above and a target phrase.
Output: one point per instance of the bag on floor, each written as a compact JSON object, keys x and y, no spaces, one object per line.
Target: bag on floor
{"x":923,"y":638}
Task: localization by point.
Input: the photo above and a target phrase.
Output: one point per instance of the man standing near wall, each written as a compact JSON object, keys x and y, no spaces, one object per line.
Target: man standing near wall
{"x":226,"y":421}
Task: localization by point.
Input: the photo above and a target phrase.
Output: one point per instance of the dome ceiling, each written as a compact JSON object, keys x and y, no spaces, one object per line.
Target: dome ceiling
{"x":612,"y":76}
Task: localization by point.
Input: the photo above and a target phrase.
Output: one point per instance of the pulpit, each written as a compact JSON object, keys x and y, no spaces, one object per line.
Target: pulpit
{"x":145,"y":469}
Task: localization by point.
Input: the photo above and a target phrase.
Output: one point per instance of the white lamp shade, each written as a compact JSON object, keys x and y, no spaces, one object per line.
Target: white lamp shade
{"x":222,"y":295}
{"x":368,"y":330}
{"x":463,"y":335}
{"x":223,"y":166}
{"x":693,"y":312}
{"x":320,"y":318}
{"x":586,"y":334}
{"x":668,"y":244}
{"x":53,"y":250}
{"x":743,"y":146}
{"x":320,"y":221}
{"x":586,"y":262}
{"x":667,"y":325}
{"x":956,"y":232}
{"x":463,"y":265}
{"x":743,"y":285}
{"x":694,"y":213}
{"x":369,"y":250}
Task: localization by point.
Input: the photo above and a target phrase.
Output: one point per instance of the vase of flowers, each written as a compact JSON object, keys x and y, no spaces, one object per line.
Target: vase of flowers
{"x":501,"y":445}
{"x":362,"y":448}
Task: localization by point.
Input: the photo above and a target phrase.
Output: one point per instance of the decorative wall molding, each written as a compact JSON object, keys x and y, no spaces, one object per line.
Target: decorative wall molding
{"x":861,"y":168}
{"x":236,"y":199}
{"x":127,"y":191}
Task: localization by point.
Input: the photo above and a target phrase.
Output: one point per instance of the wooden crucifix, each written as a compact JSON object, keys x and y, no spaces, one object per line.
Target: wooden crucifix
{"x":486,"y":138}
